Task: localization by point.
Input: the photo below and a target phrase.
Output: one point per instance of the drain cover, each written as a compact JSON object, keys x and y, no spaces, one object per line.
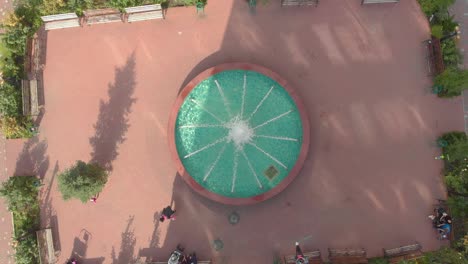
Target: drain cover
{"x":271,"y":172}
{"x":218,"y":244}
{"x":234,"y":218}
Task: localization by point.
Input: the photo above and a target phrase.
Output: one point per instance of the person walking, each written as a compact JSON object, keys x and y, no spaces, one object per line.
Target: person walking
{"x":167,"y":213}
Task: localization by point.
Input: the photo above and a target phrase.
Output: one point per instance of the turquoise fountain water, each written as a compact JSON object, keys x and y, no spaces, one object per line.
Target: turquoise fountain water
{"x":238,"y":133}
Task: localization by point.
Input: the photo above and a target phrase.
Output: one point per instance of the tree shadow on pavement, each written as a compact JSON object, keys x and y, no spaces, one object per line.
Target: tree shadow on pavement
{"x":33,"y":159}
{"x":112,"y":123}
{"x":48,"y":214}
{"x":127,"y":246}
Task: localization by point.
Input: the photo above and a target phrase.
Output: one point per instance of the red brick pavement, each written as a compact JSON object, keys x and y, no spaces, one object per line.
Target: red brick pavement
{"x":6,"y":226}
{"x":370,"y":177}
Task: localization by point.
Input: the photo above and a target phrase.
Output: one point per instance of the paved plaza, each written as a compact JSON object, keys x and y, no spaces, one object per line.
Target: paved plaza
{"x":370,"y":178}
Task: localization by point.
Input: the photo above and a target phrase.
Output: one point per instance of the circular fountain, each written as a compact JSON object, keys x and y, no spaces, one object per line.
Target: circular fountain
{"x":238,"y":133}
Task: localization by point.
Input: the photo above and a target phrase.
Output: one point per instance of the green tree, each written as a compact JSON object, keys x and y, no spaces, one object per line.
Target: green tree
{"x":453,"y":81}
{"x":432,"y":6}
{"x":82,"y":181}
{"x":450,"y":53}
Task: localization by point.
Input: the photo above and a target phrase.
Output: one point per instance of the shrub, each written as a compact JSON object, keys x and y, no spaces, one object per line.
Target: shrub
{"x":21,"y":194}
{"x":437,"y":31}
{"x":10,"y":99}
{"x":82,"y":181}
{"x":17,"y":127}
{"x":450,"y":53}
{"x":444,"y":255}
{"x":453,"y":82}
{"x":432,"y":6}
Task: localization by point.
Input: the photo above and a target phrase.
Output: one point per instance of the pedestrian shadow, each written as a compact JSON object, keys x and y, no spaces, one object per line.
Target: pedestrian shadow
{"x":154,"y":242}
{"x":112,"y":123}
{"x":80,"y":247}
{"x":127,"y":245}
{"x":33,"y":159}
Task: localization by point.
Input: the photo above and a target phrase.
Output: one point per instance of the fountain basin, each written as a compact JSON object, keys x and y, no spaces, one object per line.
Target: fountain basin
{"x":239,"y":134}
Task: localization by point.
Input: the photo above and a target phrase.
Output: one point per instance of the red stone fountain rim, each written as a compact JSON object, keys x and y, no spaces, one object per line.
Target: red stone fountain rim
{"x":305,"y":134}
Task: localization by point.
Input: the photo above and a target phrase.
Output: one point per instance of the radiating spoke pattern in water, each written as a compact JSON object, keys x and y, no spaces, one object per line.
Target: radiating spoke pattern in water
{"x":234,"y":171}
{"x":243,"y":96}
{"x":213,"y":165}
{"x":260,"y":103}
{"x":273,"y":119}
{"x":252,"y":169}
{"x":269,"y":155}
{"x":220,"y":89}
{"x":275,"y":137}
{"x":240,"y":130}
{"x":206,"y":110}
{"x":200,"y":125}
{"x":206,"y":147}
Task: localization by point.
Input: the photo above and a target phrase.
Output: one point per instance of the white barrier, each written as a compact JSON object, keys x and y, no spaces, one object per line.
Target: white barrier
{"x":146,"y":12}
{"x":67,"y":20}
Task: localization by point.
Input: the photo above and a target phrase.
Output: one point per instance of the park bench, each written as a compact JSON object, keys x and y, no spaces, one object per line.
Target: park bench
{"x":165,"y":262}
{"x":61,"y":21}
{"x":299,"y":2}
{"x":45,"y":244}
{"x":99,"y":16}
{"x":314,"y":258}
{"x":409,"y":252}
{"x":146,"y":12}
{"x":435,"y":61}
{"x":347,"y":256}
{"x":364,"y":2}
{"x":443,"y":204}
{"x":30,"y":97}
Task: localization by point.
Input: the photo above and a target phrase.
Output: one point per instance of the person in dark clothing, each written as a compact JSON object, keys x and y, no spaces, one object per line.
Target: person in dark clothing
{"x":300,"y":258}
{"x":192,"y":259}
{"x":167,"y":213}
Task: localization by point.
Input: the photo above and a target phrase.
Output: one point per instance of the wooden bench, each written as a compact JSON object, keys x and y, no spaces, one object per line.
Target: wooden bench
{"x":435,"y":61}
{"x":45,"y":244}
{"x":313,"y":256}
{"x":140,"y":13}
{"x":347,"y":256}
{"x":364,"y":2}
{"x":99,"y":16}
{"x":410,"y":252}
{"x":61,"y":21}
{"x":165,"y":262}
{"x":30,"y":97}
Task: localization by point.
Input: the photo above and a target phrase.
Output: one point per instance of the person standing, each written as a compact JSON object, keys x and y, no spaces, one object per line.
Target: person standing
{"x":300,"y":258}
